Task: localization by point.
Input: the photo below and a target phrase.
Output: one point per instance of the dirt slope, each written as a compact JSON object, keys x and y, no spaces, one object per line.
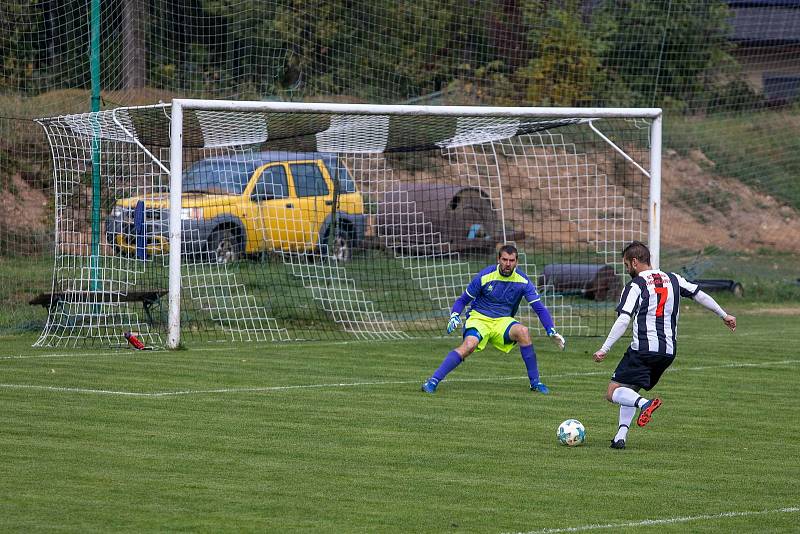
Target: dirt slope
{"x":701,"y":209}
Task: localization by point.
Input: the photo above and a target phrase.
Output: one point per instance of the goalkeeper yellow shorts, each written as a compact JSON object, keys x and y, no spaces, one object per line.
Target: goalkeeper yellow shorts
{"x":490,"y":330}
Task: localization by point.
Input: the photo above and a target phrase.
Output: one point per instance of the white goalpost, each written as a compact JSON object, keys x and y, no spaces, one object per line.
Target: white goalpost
{"x":272,"y":221}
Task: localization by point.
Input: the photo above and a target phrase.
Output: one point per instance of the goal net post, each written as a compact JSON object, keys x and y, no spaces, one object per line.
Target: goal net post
{"x":337,"y":221}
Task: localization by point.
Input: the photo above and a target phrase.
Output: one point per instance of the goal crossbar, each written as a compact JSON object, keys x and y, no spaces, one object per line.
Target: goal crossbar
{"x":389,"y":109}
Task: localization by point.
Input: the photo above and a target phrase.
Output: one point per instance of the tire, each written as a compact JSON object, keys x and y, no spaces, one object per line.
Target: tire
{"x":737,"y":290}
{"x":224,"y":246}
{"x":341,"y":248}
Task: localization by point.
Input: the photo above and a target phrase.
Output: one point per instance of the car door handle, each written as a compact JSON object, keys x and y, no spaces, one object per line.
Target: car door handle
{"x":328,"y":202}
{"x":290,"y":205}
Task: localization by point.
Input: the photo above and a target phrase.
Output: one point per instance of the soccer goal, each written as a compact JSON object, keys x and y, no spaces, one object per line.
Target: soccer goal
{"x":268,"y":221}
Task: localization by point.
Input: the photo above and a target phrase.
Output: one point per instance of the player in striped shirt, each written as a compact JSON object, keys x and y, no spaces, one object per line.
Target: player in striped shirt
{"x":651,"y":300}
{"x":495,"y":294}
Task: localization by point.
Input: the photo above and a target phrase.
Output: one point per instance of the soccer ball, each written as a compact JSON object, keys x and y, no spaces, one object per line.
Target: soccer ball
{"x":571,"y":433}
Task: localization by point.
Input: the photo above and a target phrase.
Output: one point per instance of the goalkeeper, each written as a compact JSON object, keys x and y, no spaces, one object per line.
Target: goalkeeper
{"x":495,"y":294}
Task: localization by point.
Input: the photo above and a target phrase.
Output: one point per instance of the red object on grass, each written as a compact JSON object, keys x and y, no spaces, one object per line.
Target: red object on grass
{"x":135,"y":341}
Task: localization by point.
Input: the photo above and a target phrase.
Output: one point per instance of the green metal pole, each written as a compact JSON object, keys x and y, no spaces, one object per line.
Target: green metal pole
{"x":94,"y":66}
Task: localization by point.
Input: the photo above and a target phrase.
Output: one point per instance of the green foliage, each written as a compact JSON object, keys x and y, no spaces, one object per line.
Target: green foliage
{"x":18,"y":63}
{"x":733,"y":96}
{"x":566,"y":70}
{"x":628,"y":52}
{"x":335,"y":54}
{"x":487,"y":84}
{"x":667,"y":53}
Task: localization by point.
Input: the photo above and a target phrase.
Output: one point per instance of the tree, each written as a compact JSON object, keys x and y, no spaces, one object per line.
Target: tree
{"x":134,"y":19}
{"x":566,"y":70}
{"x":667,"y":51}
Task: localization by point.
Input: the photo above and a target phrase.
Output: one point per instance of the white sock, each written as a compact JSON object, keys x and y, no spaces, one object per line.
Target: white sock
{"x":627,"y":397}
{"x":626,"y":414}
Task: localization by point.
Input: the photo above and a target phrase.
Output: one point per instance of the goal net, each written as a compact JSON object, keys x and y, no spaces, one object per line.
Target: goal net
{"x":260,"y":221}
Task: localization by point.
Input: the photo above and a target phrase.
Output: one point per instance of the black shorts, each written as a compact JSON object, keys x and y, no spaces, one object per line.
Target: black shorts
{"x":641,"y":370}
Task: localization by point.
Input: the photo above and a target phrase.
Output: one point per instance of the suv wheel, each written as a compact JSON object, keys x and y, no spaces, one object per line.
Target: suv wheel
{"x":224,"y":246}
{"x":341,"y":249}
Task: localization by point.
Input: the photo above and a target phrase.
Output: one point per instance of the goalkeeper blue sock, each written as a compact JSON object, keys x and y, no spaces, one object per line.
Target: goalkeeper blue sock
{"x":451,"y":361}
{"x":529,"y":357}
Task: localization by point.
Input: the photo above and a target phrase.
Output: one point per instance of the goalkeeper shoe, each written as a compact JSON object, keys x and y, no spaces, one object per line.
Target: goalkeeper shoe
{"x":619,"y":444}
{"x":541,"y":388}
{"x":430,"y":385}
{"x":647,"y":411}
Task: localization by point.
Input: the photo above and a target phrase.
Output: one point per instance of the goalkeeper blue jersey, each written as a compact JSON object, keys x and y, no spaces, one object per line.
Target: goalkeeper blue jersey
{"x":495,"y":295}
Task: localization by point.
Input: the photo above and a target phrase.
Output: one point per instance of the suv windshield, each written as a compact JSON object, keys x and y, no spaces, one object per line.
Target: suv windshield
{"x":217,"y":176}
{"x":346,"y":183}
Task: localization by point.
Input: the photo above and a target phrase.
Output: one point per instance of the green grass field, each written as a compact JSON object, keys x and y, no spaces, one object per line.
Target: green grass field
{"x":337,"y":437}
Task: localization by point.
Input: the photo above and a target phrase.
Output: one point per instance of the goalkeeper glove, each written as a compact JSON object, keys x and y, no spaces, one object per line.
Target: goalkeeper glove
{"x":557,"y":338}
{"x":454,"y":322}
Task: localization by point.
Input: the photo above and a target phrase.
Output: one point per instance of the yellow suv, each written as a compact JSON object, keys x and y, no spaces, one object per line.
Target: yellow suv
{"x":249,"y":204}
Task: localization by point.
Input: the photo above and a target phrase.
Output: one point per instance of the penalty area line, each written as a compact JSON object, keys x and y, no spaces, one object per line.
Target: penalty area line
{"x":62,"y":355}
{"x":266,"y":389}
{"x":202,"y":391}
{"x":666,"y":521}
{"x":125,"y":350}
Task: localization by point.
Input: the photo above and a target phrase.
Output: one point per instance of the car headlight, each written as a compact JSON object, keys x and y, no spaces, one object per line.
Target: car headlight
{"x":191,"y":213}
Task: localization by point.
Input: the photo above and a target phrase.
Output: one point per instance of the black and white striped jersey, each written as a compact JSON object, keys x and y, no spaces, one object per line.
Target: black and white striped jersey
{"x":652,"y":299}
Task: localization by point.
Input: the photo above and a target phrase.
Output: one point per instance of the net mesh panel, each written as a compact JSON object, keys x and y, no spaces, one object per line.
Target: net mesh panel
{"x":726,"y":74}
{"x":324,"y":226}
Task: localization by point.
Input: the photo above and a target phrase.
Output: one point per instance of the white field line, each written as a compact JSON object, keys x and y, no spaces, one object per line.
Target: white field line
{"x":61,"y":355}
{"x":353,"y":384}
{"x":668,"y":521}
{"x":125,"y":351}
